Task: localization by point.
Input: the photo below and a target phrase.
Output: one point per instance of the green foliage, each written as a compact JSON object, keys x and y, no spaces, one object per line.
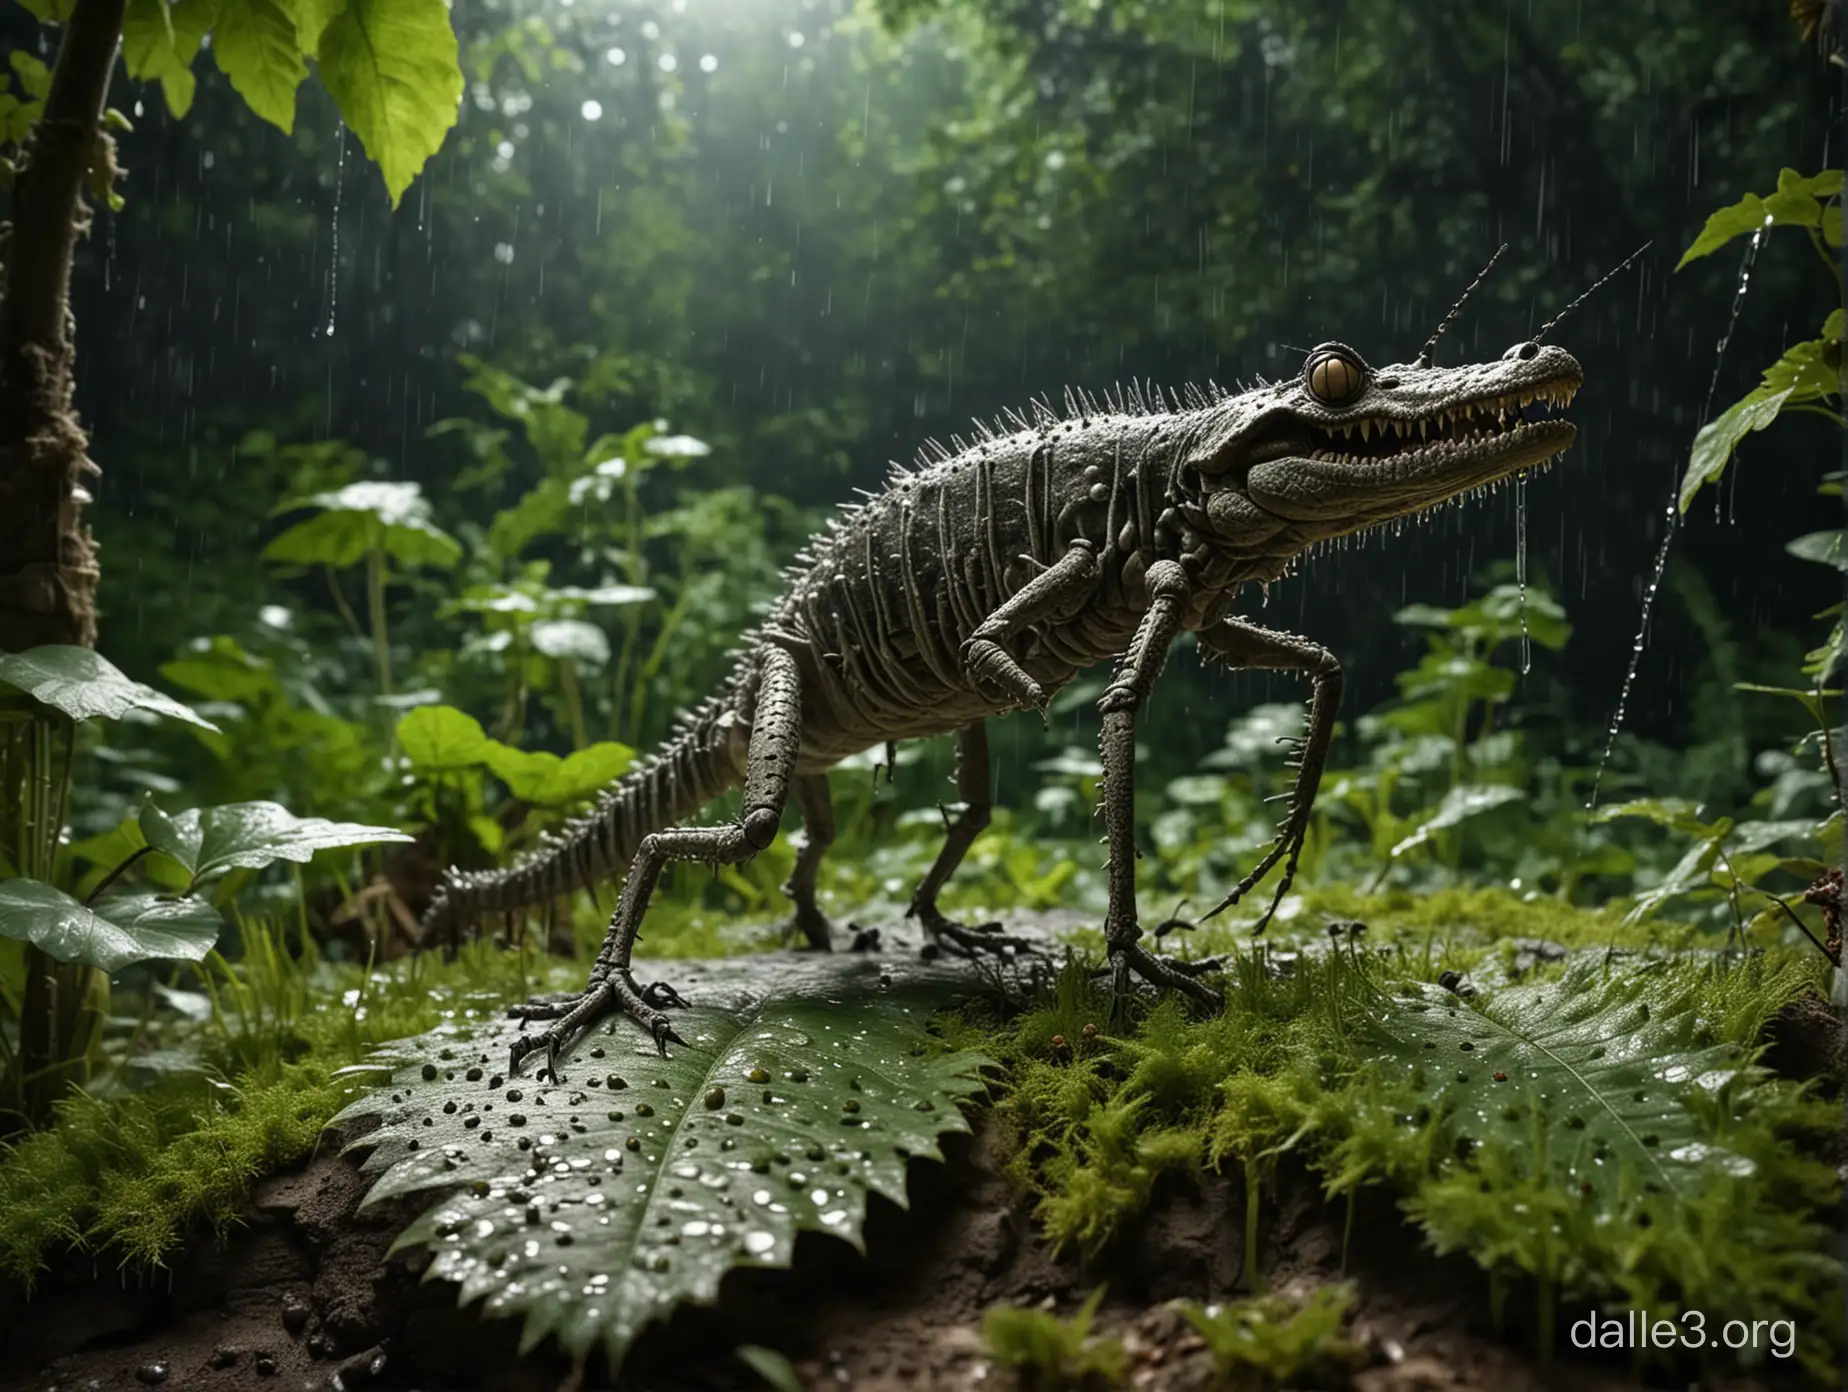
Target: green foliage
{"x":119,"y":930}
{"x":1274,"y":1341}
{"x":361,"y":520}
{"x":1049,"y":1354}
{"x":1573,"y":1132}
{"x":248,"y":835}
{"x":214,"y":1086}
{"x":85,"y":686}
{"x":593,"y":1205}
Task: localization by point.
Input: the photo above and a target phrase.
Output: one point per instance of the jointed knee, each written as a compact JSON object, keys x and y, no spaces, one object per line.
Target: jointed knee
{"x":760,"y":825}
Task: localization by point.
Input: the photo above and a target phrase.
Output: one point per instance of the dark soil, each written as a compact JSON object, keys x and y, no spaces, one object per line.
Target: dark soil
{"x":303,"y":1295}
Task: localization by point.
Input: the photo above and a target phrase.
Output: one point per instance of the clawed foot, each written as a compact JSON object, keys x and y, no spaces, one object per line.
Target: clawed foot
{"x":570,"y":1016}
{"x":1165,"y":973}
{"x":970,"y":941}
{"x":811,"y":929}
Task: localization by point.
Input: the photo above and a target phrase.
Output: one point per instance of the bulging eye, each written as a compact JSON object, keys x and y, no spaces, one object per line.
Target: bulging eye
{"x":1335,"y":375}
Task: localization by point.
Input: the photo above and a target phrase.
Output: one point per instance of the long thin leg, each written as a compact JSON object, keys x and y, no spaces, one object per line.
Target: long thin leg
{"x":1239,"y":643}
{"x":974,"y":787}
{"x":817,"y":808}
{"x":1169,"y":591}
{"x":985,"y":656}
{"x":776,"y":733}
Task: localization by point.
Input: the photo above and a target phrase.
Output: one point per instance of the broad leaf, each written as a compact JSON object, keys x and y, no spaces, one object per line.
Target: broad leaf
{"x":1605,"y":1088}
{"x":220,"y":669}
{"x":257,"y":47}
{"x":160,"y":39}
{"x":571,"y":639}
{"x":1676,"y":814}
{"x":549,"y":781}
{"x":362,"y":518}
{"x":1797,"y":202}
{"x":1693,"y":871}
{"x":1717,"y":439}
{"x":86,"y":687}
{"x":119,"y":930}
{"x":1824,"y":548}
{"x":593,"y":1206}
{"x":250,"y":835}
{"x":442,"y":737}
{"x":1459,"y":805}
{"x":391,"y":67}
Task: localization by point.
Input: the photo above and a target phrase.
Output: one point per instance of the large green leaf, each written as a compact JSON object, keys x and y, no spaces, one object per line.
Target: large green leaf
{"x":1461,"y":803}
{"x":86,"y":687}
{"x":363,"y":518}
{"x":257,"y":47}
{"x":1716,"y":441}
{"x":119,"y":930}
{"x":571,"y":639}
{"x":442,"y":737}
{"x":391,"y":66}
{"x":160,"y":39}
{"x":549,"y":781}
{"x":593,"y":1206}
{"x":1797,"y":202}
{"x":1599,"y":1085}
{"x":250,"y":835}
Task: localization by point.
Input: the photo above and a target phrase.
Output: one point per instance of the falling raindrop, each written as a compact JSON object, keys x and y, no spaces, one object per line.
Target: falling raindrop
{"x":1674,"y":514}
{"x":333,"y":258}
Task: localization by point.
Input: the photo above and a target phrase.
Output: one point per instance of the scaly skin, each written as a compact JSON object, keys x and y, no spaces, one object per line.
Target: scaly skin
{"x":987,"y":578}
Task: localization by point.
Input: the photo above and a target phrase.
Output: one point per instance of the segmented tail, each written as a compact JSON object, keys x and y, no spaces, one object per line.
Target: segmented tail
{"x":696,"y":764}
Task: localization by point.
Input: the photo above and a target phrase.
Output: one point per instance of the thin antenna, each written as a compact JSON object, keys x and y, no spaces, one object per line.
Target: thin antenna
{"x":1553,"y":323}
{"x":1424,"y":353}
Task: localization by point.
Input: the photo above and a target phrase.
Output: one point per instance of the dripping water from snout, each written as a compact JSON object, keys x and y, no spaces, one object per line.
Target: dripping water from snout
{"x":1674,"y":516}
{"x":1520,"y":567}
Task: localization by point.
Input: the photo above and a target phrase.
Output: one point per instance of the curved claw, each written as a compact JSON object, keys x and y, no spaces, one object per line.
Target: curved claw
{"x":664,"y":1035}
{"x":660,"y":995}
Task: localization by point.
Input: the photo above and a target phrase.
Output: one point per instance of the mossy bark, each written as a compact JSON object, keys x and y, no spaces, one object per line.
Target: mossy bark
{"x":48,"y":567}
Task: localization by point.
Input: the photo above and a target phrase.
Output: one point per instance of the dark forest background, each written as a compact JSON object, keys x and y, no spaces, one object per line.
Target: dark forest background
{"x":814,"y":235}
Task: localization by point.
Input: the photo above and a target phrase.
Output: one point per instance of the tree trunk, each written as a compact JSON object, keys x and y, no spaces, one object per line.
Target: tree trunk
{"x":48,"y":567}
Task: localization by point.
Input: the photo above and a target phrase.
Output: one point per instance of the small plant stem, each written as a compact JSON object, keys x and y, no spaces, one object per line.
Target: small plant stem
{"x":574,"y":701}
{"x":340,"y":603}
{"x":115,"y":875}
{"x":1802,"y":927}
{"x":375,"y":615}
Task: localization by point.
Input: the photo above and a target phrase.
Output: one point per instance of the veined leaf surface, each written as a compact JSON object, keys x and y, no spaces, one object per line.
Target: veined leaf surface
{"x":594,"y":1205}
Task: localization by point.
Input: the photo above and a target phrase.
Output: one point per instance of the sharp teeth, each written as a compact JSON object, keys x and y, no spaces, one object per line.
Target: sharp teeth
{"x":1366,"y":430}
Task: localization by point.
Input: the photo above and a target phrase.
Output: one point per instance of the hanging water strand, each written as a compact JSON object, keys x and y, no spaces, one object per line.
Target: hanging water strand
{"x":1673,"y":516}
{"x":333,"y":260}
{"x":1520,"y":567}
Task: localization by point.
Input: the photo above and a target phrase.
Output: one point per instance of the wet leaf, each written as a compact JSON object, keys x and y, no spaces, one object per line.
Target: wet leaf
{"x":571,"y":639}
{"x":1676,"y":814}
{"x":1715,"y":443}
{"x":391,"y":67}
{"x":1597,"y":1085}
{"x":160,"y":39}
{"x":592,"y":1206}
{"x":1797,"y":202}
{"x":1459,"y":805}
{"x":1824,"y":548}
{"x":119,"y":930}
{"x":363,"y":518}
{"x":257,"y":48}
{"x":87,"y":687}
{"x":250,"y":835}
